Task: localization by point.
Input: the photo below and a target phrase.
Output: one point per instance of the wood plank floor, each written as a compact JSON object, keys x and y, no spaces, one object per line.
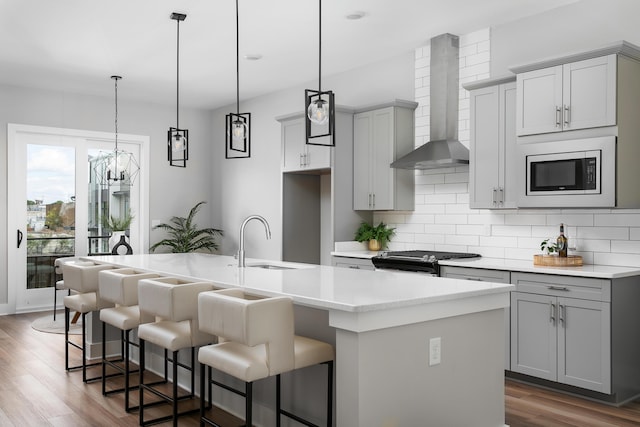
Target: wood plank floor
{"x":35,"y":390}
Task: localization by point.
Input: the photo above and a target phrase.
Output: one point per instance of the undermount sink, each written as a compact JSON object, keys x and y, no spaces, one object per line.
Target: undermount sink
{"x":271,"y":267}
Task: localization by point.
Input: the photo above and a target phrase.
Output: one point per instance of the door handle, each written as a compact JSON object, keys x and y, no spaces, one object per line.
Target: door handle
{"x":562,"y":314}
{"x":20,"y":236}
{"x":552,"y":312}
{"x":558,"y":114}
{"x":567,"y":115}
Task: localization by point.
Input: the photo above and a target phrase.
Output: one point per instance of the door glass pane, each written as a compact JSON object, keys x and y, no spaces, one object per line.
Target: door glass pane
{"x":105,"y":201}
{"x":50,"y":211}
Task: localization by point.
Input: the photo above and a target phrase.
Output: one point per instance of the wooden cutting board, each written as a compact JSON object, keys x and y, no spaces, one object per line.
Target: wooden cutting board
{"x":556,"y":261}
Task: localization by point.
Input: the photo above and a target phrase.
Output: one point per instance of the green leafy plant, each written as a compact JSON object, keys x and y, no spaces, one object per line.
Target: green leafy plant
{"x":185,"y":236}
{"x":382,"y":233}
{"x":548,"y":247}
{"x":117,"y":224}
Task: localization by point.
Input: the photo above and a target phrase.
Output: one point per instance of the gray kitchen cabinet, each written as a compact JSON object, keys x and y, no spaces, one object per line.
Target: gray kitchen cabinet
{"x":492,"y":155}
{"x":575,"y":95}
{"x":486,"y":275}
{"x":380,"y":136}
{"x":353,"y":263}
{"x":561,"y":330}
{"x":297,"y":155}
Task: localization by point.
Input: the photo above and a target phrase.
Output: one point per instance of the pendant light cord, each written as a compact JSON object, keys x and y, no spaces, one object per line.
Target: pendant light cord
{"x":319,"y":46}
{"x":177,"y":74}
{"x":237,"y":61}
{"x":116,"y":78}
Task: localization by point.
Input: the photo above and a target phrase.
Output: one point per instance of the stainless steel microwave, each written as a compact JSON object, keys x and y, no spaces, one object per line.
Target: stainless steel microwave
{"x":570,"y":173}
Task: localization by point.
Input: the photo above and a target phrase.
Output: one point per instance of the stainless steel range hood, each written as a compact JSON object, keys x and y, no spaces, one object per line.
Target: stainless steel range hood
{"x":443,"y":150}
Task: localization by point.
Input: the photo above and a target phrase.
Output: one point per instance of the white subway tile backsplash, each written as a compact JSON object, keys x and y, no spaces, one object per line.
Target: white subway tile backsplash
{"x":415,"y":218}
{"x":451,"y":188}
{"x":619,"y":259}
{"x":612,"y":233}
{"x":430,"y":239}
{"x":430,"y":179}
{"x":502,"y":241}
{"x":438,"y":228}
{"x":539,"y":219}
{"x":452,"y":239}
{"x":425,"y":208}
{"x":617,"y":219}
{"x":511,"y":230}
{"x":591,"y":245}
{"x":625,"y":246}
{"x":451,"y":219}
{"x":571,"y":219}
{"x":487,"y":218}
{"x":473,"y":230}
{"x":425,"y":189}
{"x":408,"y":228}
{"x":440,"y":199}
{"x":478,"y":58}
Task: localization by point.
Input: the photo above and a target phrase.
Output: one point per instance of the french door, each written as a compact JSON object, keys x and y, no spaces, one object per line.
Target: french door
{"x":57,"y":206}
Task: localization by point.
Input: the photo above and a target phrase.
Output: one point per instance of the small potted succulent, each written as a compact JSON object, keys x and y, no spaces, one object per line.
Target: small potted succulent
{"x":378,"y":236}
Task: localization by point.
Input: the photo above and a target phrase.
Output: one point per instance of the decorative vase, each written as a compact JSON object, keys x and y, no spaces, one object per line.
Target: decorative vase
{"x":374,"y":245}
{"x":122,"y":247}
{"x":114,"y":239}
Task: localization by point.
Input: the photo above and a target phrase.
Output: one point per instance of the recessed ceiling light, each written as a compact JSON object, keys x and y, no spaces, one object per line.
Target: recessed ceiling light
{"x":355,"y":15}
{"x":252,"y":56}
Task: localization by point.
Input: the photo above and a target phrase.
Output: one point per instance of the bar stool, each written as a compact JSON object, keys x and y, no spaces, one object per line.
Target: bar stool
{"x":120,"y":287}
{"x":256,"y":341}
{"x":83,"y":279}
{"x":57,"y":268}
{"x":173,"y":303}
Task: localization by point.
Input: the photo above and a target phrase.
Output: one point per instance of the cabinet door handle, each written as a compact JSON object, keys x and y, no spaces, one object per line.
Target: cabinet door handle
{"x":369,"y":199}
{"x":567,"y":115}
{"x":476,"y":279}
{"x":558,"y":288}
{"x":374,"y":200}
{"x":562,"y":314}
{"x":355,"y":267}
{"x":300,"y":164}
{"x":493,"y":195}
{"x":558,"y":113}
{"x":307,"y":159}
{"x":501,"y":197}
{"x":552,"y":312}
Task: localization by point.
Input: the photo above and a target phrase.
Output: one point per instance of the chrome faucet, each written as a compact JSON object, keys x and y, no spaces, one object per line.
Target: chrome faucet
{"x":244,"y":224}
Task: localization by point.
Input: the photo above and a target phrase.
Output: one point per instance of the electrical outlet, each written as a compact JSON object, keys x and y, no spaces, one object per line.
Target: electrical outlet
{"x":435,"y":351}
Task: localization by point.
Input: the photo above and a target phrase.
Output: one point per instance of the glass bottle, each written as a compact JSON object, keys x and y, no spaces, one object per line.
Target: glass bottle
{"x":562,"y":242}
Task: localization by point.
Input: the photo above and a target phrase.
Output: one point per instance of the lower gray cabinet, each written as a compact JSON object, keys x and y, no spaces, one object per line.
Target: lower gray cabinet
{"x":561,"y":330}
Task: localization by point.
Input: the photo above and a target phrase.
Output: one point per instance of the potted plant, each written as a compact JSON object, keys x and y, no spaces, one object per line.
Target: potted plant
{"x":378,"y":236}
{"x":118,"y":226}
{"x":185,"y":236}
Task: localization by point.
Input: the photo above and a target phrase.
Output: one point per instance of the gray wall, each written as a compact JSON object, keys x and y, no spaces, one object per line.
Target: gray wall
{"x":173,"y":191}
{"x":579,"y":26}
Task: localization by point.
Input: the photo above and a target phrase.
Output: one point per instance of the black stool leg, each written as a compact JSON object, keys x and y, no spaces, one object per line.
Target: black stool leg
{"x":104,"y":357}
{"x":66,"y":338}
{"x":248,"y":404}
{"x":142,"y":367}
{"x":330,"y":394}
{"x":127,"y":382}
{"x":84,"y":348}
{"x":175,"y":389}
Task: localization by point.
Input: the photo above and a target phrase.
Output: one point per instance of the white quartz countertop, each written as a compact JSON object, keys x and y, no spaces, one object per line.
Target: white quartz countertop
{"x":587,"y":270}
{"x":324,"y":287}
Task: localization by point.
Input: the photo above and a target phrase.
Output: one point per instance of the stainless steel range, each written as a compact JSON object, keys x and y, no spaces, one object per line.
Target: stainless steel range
{"x":415,"y":260}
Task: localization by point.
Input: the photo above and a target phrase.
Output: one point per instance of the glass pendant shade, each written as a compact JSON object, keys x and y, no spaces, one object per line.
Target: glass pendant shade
{"x":318,"y":111}
{"x":238,"y":130}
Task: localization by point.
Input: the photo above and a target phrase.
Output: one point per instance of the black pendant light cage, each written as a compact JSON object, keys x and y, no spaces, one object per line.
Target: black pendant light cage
{"x":178,"y":139}
{"x":237,"y":125}
{"x":118,"y":167}
{"x":238,"y":148}
{"x":320,"y":133}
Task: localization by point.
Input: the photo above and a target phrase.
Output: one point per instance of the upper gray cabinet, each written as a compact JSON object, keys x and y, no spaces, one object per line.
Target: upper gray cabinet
{"x":297,"y":155}
{"x":576,"y":95}
{"x":492,"y":153}
{"x":380,"y":136}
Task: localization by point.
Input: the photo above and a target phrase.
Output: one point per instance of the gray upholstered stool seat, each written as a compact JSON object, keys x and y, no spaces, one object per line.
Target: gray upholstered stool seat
{"x":81,"y":277}
{"x":257,"y":341}
{"x":120,"y":287}
{"x":173,"y":303}
{"x":60,"y":286}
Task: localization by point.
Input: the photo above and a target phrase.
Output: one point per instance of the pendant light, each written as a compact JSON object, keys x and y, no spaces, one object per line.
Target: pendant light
{"x":117,"y":167}
{"x":319,"y":105}
{"x":178,"y":139}
{"x":238,"y":126}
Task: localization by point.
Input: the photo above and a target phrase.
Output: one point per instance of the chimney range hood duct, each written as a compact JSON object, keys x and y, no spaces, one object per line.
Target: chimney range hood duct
{"x":443,"y":150}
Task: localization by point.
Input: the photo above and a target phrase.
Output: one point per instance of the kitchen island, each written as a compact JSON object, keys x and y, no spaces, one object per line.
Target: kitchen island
{"x":410,"y":349}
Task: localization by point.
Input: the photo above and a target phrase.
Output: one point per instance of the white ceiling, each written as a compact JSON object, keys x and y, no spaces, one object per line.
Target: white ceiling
{"x":76,"y":45}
